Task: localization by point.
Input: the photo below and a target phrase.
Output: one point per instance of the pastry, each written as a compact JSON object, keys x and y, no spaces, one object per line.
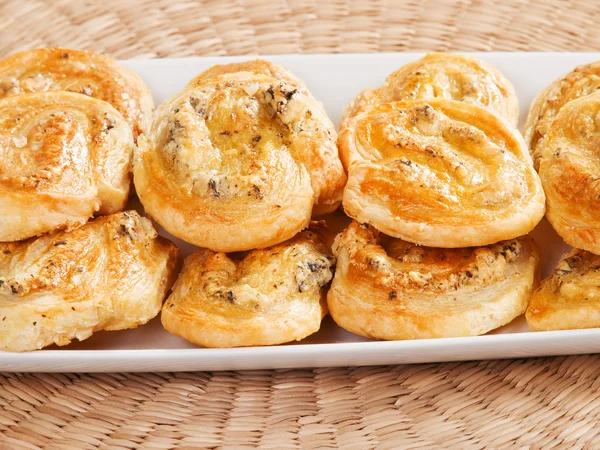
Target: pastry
{"x":239,"y":160}
{"x":255,"y":66}
{"x":439,"y":173}
{"x":386,"y":288}
{"x":582,"y":81}
{"x":570,"y":297}
{"x":60,"y":69}
{"x":570,"y":174}
{"x":327,"y":181}
{"x":444,"y":76}
{"x":63,"y":157}
{"x":271,"y":296}
{"x":111,"y":274}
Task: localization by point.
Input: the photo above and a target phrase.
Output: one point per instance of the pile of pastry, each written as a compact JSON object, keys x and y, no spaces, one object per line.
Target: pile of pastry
{"x":239,"y":161}
{"x":439,"y":184}
{"x":563,"y":134}
{"x":69,"y":123}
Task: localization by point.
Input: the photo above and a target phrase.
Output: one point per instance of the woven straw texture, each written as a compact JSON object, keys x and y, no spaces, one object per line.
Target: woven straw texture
{"x":533,"y":404}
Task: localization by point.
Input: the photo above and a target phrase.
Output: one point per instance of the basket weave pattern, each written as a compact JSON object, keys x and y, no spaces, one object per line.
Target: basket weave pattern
{"x":533,"y":404}
{"x":160,"y":28}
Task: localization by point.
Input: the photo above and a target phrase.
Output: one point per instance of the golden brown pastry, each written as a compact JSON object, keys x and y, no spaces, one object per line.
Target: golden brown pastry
{"x":60,"y":69}
{"x":570,"y":174}
{"x":582,"y":81}
{"x":327,"y":182}
{"x":63,"y":157}
{"x":111,"y":274}
{"x":439,"y":173}
{"x":386,"y":288}
{"x":444,"y":76}
{"x":255,"y":66}
{"x":570,"y":297}
{"x":271,"y":296}
{"x":239,"y":160}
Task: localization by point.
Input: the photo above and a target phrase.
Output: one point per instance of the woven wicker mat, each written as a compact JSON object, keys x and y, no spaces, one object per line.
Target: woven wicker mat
{"x":536,"y":403}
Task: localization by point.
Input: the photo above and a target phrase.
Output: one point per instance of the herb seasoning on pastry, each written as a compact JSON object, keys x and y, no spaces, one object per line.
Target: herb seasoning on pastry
{"x":570,"y":172}
{"x":63,"y":157}
{"x":580,"y":82}
{"x":570,"y":297}
{"x":386,"y":288}
{"x":271,"y":296}
{"x":239,"y":160}
{"x":439,"y":173}
{"x":446,"y":76}
{"x":111,"y":274}
{"x":59,"y":69}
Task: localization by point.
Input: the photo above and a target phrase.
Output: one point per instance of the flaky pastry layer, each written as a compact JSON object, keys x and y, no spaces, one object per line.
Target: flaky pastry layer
{"x":440,"y":173}
{"x":570,"y":297}
{"x":569,"y":170}
{"x":91,"y":74}
{"x":582,"y":81}
{"x":446,"y":76}
{"x":240,"y":159}
{"x":386,"y":288}
{"x":63,"y":157}
{"x":111,"y":274}
{"x":271,"y":296}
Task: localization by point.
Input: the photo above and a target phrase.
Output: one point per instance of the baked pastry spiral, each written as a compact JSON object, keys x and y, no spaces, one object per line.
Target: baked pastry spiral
{"x":111,"y":274}
{"x":239,"y":160}
{"x":386,"y":288}
{"x":582,"y":81}
{"x":569,"y":172}
{"x":60,"y":69}
{"x":63,"y":157}
{"x":444,"y":76}
{"x":440,"y":173}
{"x":570,"y":297}
{"x":271,"y":296}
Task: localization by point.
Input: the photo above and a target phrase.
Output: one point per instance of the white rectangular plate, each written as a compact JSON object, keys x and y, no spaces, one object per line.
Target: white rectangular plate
{"x":334,"y":80}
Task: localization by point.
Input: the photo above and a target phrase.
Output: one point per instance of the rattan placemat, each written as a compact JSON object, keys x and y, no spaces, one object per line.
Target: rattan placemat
{"x":534,"y":404}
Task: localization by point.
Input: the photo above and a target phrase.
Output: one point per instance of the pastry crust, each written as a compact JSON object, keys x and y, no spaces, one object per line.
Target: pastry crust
{"x":61,"y":69}
{"x":570,"y":298}
{"x":239,"y":160}
{"x":271,"y":296}
{"x":255,"y":66}
{"x":63,"y":157}
{"x":570,"y":175}
{"x":111,"y":274}
{"x":445,"y":76}
{"x":580,"y":82}
{"x":386,"y":288}
{"x":439,"y":173}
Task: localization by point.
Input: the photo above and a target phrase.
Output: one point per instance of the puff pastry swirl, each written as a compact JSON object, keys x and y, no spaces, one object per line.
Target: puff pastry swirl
{"x":240,"y":159}
{"x":271,"y":296}
{"x":445,"y":76}
{"x":570,"y":175}
{"x":61,"y":69}
{"x":386,"y":288}
{"x":63,"y":157}
{"x":111,"y":274}
{"x":440,"y":173}
{"x":582,"y":81}
{"x":570,"y":297}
